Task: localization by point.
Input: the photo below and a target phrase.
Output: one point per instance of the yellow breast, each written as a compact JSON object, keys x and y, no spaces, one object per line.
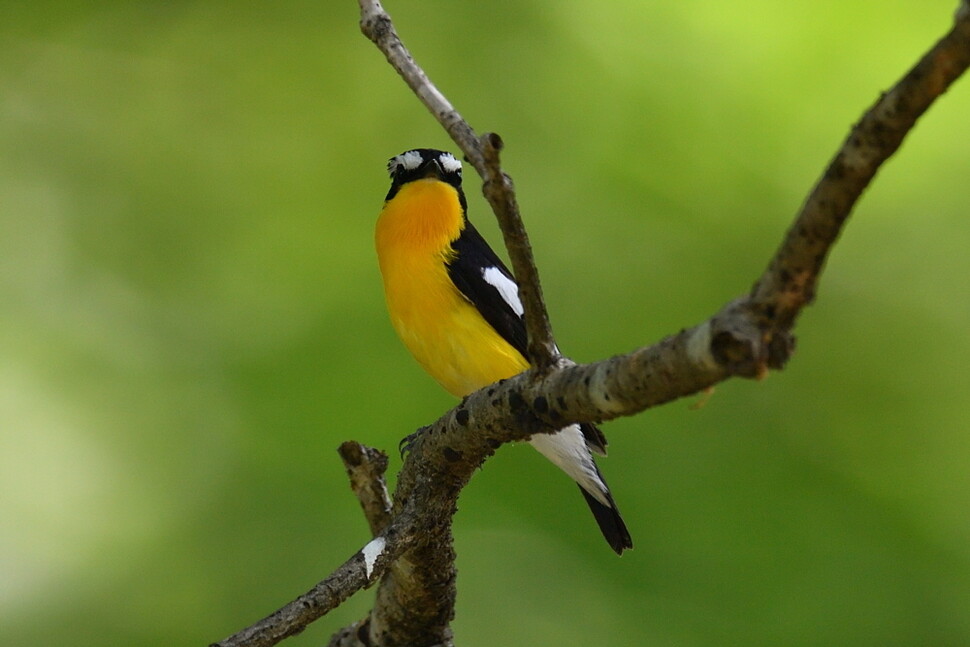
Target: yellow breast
{"x":441,"y":328}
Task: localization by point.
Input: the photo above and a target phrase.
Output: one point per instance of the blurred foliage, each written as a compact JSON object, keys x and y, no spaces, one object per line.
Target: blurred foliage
{"x":192,"y":319}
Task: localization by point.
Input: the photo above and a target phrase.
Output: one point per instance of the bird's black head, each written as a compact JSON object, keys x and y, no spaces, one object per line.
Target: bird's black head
{"x":422,"y":163}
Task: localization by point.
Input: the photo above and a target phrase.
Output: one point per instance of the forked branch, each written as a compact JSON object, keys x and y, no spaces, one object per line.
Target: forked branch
{"x":746,"y":338}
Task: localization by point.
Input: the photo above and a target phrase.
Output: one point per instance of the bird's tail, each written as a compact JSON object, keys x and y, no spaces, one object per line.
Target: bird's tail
{"x":610,"y":522}
{"x":568,"y":449}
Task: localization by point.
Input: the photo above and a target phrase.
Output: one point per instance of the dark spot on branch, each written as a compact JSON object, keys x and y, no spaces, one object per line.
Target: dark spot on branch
{"x":352,"y":453}
{"x":363,"y":632}
{"x":781,"y":346}
{"x":836,"y":170}
{"x":516,"y":401}
{"x":734,"y":353}
{"x":461,"y":417}
{"x":809,"y":293}
{"x":451,"y":455}
{"x":493,"y":140}
{"x":540,"y":404}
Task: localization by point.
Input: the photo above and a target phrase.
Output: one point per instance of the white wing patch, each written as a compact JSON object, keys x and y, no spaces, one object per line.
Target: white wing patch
{"x":506,"y":287}
{"x":449,"y":163}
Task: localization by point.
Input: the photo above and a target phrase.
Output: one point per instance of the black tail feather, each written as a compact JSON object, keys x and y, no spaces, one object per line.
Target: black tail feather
{"x":610,"y":522}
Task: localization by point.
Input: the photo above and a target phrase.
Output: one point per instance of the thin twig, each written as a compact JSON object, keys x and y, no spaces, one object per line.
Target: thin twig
{"x":365,"y":468}
{"x":499,"y":192}
{"x":375,"y":23}
{"x":482,"y":154}
{"x":360,"y":571}
{"x":790,"y":280}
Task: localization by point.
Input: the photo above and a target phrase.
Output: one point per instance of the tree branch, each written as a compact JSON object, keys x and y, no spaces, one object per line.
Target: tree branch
{"x":365,"y":469}
{"x":746,"y":338}
{"x":499,"y":192}
{"x":791,"y":278}
{"x":360,"y":571}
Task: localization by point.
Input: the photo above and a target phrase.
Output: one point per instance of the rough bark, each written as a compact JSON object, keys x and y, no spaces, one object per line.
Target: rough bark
{"x":412,"y":552}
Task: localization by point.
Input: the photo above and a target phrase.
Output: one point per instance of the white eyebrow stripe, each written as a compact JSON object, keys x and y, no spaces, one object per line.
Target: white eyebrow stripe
{"x":506,"y":288}
{"x":409,"y":160}
{"x":449,"y":163}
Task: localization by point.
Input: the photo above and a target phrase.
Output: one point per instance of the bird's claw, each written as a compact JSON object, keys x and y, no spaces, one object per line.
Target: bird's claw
{"x":408,"y":441}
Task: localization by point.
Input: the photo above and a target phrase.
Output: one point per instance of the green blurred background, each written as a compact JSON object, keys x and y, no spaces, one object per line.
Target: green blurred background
{"x":191,"y":318}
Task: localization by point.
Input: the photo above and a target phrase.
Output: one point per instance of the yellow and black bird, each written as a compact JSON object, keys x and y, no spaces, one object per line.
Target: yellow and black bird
{"x":456,"y":308}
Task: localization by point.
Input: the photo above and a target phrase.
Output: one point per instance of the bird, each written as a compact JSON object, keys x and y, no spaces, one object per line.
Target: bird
{"x":456,"y":308}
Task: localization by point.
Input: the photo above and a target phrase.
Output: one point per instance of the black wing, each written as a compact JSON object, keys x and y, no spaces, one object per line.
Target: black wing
{"x":467,"y":270}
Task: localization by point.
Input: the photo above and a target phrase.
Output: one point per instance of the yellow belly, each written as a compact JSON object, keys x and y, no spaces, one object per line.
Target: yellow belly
{"x":452,"y":341}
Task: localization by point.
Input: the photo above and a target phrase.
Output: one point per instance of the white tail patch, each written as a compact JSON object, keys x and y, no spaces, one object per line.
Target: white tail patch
{"x":568,"y":451}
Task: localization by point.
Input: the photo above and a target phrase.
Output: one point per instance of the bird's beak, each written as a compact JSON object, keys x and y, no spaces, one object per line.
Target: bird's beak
{"x":433,"y":169}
